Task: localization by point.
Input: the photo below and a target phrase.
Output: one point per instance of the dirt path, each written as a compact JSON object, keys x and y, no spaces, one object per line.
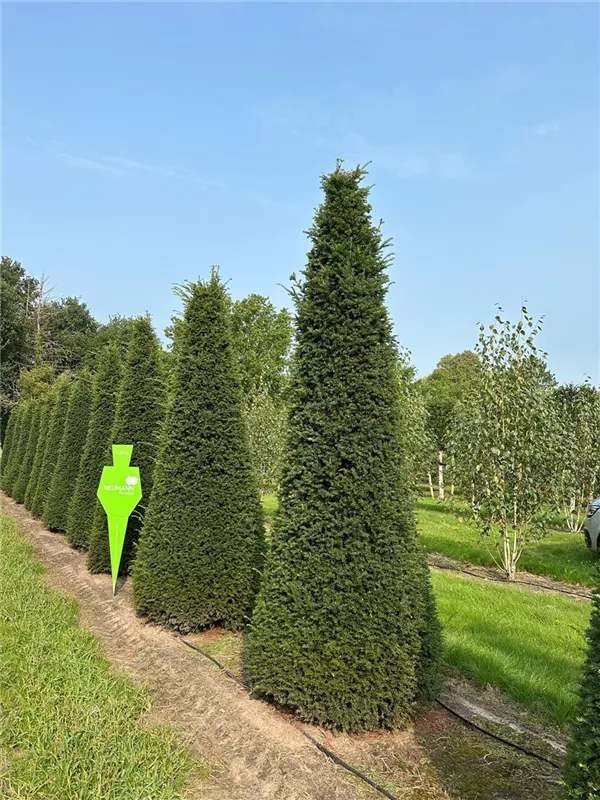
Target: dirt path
{"x":253,"y":752}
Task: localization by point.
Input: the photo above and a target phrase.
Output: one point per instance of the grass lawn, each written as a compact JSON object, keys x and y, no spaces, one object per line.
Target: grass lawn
{"x":530,"y":644}
{"x":71,"y":728}
{"x":269,"y":504}
{"x":562,"y":556}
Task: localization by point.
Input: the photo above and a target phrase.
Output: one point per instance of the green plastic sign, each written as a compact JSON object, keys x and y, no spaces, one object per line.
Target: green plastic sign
{"x":120,"y":491}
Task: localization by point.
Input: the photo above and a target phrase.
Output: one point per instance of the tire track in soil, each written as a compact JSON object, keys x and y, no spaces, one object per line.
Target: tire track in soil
{"x":253,"y":753}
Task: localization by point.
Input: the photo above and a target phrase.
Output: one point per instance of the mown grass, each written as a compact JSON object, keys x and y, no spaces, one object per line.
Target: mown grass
{"x":456,"y":504}
{"x":72,"y":730}
{"x":562,"y":556}
{"x":269,"y":504}
{"x":530,"y":644}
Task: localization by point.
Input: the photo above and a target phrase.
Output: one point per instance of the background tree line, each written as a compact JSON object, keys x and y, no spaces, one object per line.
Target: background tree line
{"x":490,"y":426}
{"x":43,"y":338}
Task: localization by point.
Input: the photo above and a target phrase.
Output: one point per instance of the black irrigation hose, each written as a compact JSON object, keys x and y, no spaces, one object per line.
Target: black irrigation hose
{"x":514,"y":745}
{"x":325,"y":750}
{"x":340,"y":762}
{"x":544,"y":586}
{"x":214,"y":660}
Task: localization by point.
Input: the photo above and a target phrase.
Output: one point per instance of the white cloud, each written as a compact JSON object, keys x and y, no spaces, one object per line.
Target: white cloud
{"x":108,"y":163}
{"x":86,"y":163}
{"x":406,"y":163}
{"x":545,"y":129}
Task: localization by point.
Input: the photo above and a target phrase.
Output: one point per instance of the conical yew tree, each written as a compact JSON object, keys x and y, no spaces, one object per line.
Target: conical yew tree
{"x":10,"y":442}
{"x":46,"y":413}
{"x":200,"y":552}
{"x":582,"y":771}
{"x":11,"y":476}
{"x":102,"y":417}
{"x":69,"y":454}
{"x":138,"y":421}
{"x":345,"y":629}
{"x":56,"y":426}
{"x":20,"y":485}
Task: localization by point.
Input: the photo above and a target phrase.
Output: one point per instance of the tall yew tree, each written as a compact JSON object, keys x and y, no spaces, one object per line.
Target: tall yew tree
{"x":11,"y":475}
{"x":69,"y":454}
{"x":582,"y":772}
{"x":345,"y":629}
{"x":20,"y":485}
{"x":45,"y":417}
{"x":201,"y":549}
{"x":139,"y":418}
{"x":56,"y":426}
{"x":84,"y":502}
{"x":13,"y":430}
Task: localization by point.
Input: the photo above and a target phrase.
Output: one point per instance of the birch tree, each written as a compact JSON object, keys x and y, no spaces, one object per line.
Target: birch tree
{"x":504,"y":437}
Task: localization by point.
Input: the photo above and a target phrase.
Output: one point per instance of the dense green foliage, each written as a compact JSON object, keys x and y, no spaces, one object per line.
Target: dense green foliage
{"x":451,"y":380}
{"x":20,"y":485}
{"x":345,"y":629}
{"x":69,"y":454}
{"x":261,"y":338}
{"x":419,"y":444}
{"x":47,"y":405}
{"x":84,"y":502}
{"x":18,"y":292}
{"x":69,"y":334}
{"x":10,"y":441}
{"x":71,"y":728}
{"x":266,"y":419}
{"x":200,"y":552}
{"x":138,"y":421}
{"x":11,"y":475}
{"x":56,"y":426}
{"x":575,"y":450}
{"x":582,"y":772}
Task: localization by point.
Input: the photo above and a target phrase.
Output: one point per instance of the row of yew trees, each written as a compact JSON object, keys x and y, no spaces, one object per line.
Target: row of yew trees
{"x":341,"y":618}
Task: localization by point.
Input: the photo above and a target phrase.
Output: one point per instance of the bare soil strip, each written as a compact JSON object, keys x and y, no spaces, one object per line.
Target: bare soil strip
{"x":253,"y":752}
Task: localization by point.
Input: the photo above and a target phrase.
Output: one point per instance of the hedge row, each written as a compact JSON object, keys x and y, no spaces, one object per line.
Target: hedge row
{"x":84,"y":502}
{"x":139,"y":415}
{"x":344,"y":628}
{"x":69,"y":454}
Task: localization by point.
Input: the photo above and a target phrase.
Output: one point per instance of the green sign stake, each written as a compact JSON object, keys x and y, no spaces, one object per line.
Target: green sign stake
{"x":120,"y":491}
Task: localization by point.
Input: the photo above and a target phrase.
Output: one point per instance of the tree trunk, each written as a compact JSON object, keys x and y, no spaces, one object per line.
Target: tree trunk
{"x":508,"y":560}
{"x":441,"y":475}
{"x":431,"y":492}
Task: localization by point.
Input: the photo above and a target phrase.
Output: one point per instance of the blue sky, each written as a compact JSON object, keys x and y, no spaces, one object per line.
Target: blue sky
{"x":143,"y":142}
